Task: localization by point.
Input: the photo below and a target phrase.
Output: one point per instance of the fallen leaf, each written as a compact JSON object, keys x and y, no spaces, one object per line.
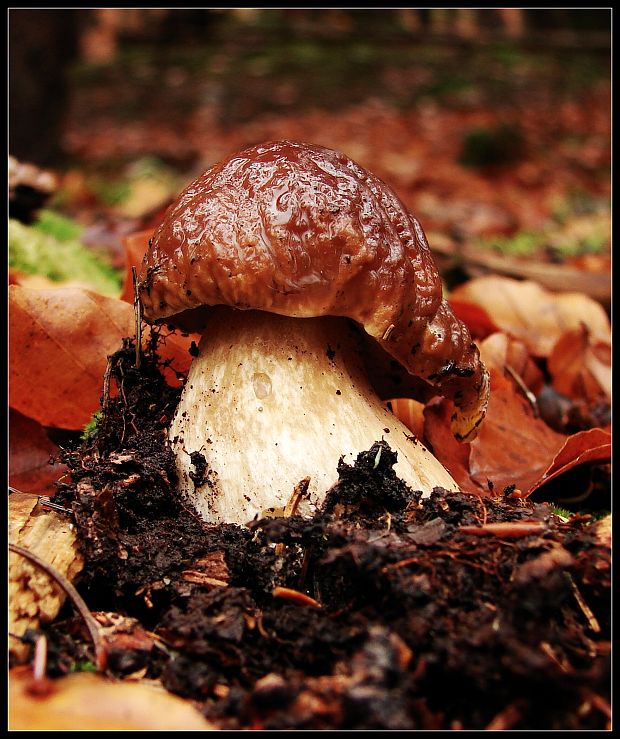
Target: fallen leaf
{"x":593,"y":445}
{"x":175,"y":346}
{"x":580,"y":366}
{"x":478,"y":321}
{"x":90,"y":702}
{"x":30,"y":451}
{"x":513,"y":448}
{"x":410,"y":412}
{"x":453,"y":454}
{"x":528,"y":312}
{"x":135,"y":246}
{"x":510,"y":355}
{"x":59,"y":342}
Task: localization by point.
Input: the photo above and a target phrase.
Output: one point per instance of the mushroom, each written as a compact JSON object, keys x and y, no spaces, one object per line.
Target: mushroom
{"x":287,"y":257}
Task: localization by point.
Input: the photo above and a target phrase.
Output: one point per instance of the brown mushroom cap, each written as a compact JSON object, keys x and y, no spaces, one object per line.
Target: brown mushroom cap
{"x":303,"y":231}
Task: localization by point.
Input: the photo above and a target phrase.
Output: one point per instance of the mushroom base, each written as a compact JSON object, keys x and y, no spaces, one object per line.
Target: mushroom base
{"x":271,"y":401}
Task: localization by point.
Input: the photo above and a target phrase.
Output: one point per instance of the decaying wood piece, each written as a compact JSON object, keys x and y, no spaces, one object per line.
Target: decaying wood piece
{"x":35,"y":598}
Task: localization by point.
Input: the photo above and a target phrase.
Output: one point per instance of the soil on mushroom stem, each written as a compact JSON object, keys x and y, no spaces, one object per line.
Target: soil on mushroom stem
{"x":415,"y":622}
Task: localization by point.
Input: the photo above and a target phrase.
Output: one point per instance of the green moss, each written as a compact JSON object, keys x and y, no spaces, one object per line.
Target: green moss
{"x":561,"y":512}
{"x":38,"y":250}
{"x":83,"y":665}
{"x":91,"y":428}
{"x":522,"y":244}
{"x":56,"y":225}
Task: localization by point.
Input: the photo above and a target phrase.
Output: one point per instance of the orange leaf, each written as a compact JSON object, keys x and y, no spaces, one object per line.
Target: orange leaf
{"x":30,"y":451}
{"x":593,"y":445}
{"x":59,"y":342}
{"x":135,"y":246}
{"x":512,"y":447}
{"x":511,"y":355}
{"x":581,"y":367}
{"x":453,"y":454}
{"x":528,"y":312}
{"x":410,"y":412}
{"x":477,"y":320}
{"x":175,"y":347}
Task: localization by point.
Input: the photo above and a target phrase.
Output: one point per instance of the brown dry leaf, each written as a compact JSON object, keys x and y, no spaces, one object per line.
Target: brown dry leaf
{"x":30,"y":452}
{"x":512,"y":447}
{"x":90,"y":702}
{"x":528,"y":312}
{"x":511,"y":355}
{"x":59,"y":342}
{"x":451,"y":453}
{"x":474,"y":317}
{"x":580,"y":366}
{"x":593,"y":445}
{"x":33,"y":596}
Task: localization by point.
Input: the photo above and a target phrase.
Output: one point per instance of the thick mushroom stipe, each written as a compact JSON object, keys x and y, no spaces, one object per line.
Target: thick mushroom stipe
{"x":303,"y":232}
{"x":271,"y":400}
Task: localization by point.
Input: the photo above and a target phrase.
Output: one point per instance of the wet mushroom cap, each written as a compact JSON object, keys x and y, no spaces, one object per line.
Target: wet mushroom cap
{"x":303,"y":231}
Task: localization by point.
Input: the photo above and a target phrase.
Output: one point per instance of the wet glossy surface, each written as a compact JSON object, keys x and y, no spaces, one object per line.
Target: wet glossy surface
{"x":303,"y":231}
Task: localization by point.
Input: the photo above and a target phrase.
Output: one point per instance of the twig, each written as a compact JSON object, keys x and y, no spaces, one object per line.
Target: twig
{"x":509,"y":529}
{"x":137,"y":309}
{"x":39,"y":663}
{"x":531,"y":398}
{"x":75,"y":597}
{"x":106,"y":385}
{"x":295,"y":596}
{"x":47,"y":503}
{"x":591,"y":618}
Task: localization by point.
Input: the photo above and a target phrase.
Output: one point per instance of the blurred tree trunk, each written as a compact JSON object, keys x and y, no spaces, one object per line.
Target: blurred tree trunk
{"x":42,"y":43}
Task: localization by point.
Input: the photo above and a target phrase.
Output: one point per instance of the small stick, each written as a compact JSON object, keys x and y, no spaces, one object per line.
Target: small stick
{"x":75,"y":597}
{"x":531,"y":398}
{"x":106,"y":385}
{"x":591,"y":618}
{"x":47,"y":503}
{"x":295,"y":596}
{"x":39,"y":663}
{"x":137,"y":308}
{"x":388,"y":331}
{"x":508,"y":529}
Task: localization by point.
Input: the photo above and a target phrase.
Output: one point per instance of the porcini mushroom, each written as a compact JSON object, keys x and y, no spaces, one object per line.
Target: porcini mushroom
{"x":285,"y":256}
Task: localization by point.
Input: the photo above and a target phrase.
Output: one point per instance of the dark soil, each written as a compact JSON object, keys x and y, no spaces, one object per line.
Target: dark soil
{"x":384,"y":611}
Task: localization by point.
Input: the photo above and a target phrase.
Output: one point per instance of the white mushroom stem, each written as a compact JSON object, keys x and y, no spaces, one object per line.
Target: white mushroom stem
{"x":271,"y":400}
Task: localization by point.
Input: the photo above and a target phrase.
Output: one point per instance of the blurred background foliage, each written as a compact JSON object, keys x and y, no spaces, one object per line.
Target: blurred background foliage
{"x":493,"y":125}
